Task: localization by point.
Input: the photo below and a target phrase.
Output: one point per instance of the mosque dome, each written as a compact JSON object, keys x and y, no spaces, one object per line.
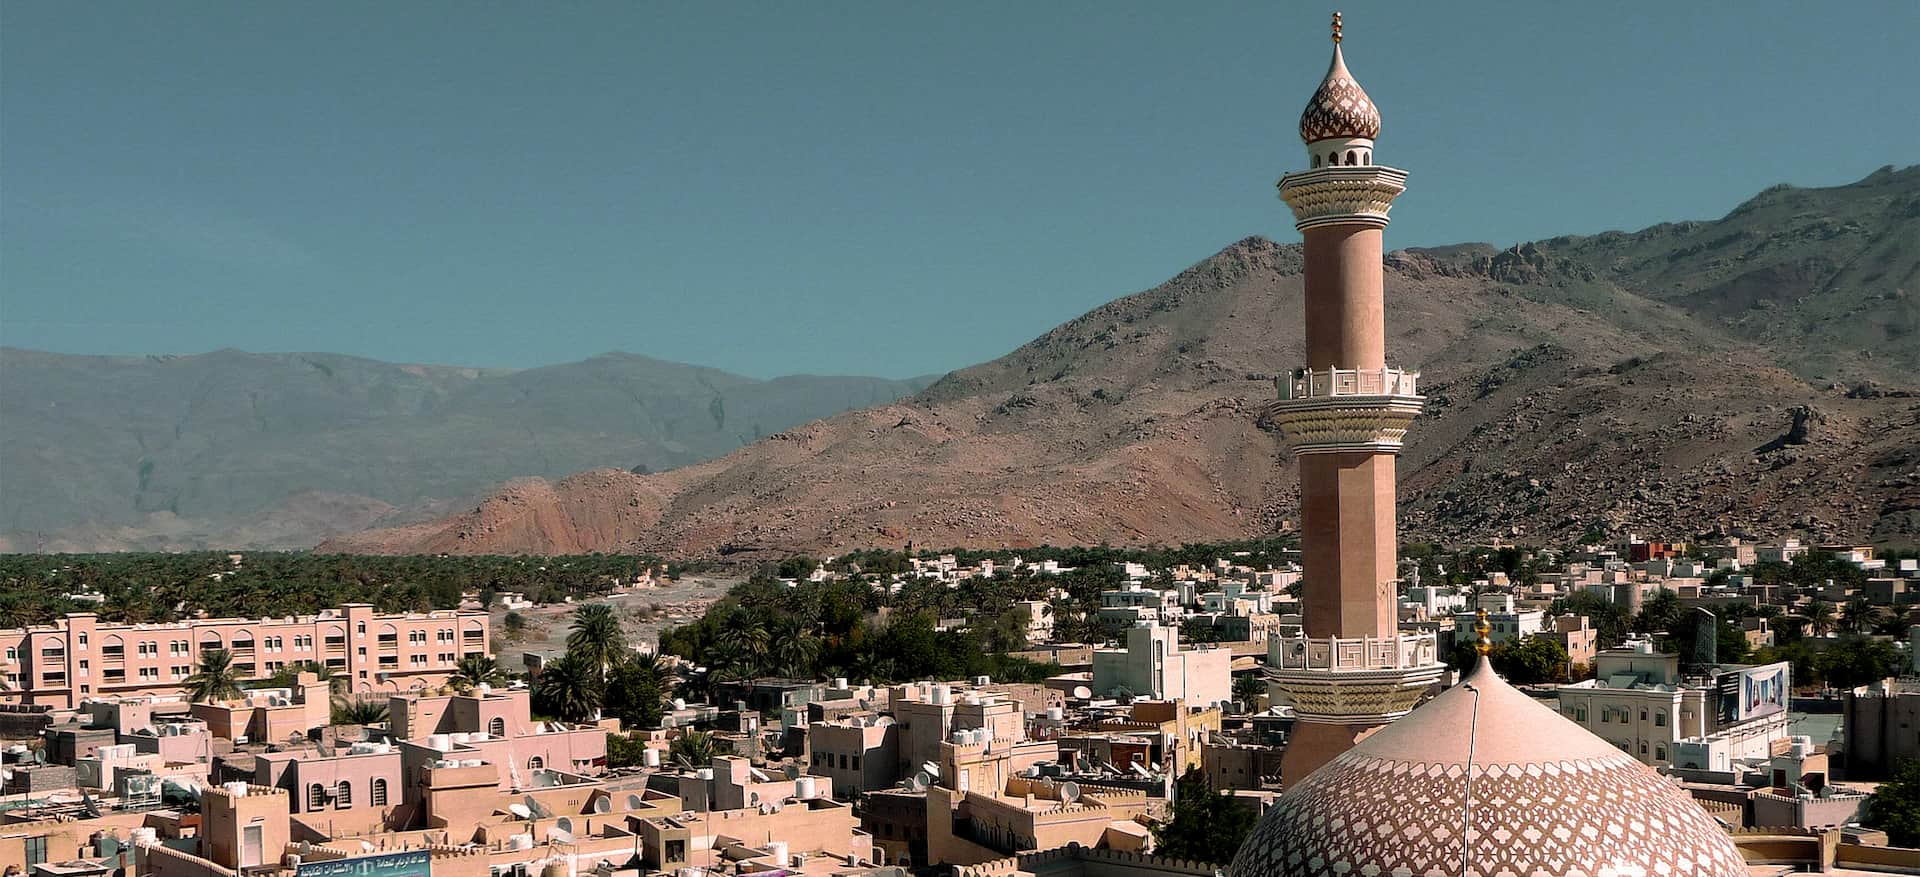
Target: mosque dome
{"x":1547,"y":798}
{"x":1340,"y":108}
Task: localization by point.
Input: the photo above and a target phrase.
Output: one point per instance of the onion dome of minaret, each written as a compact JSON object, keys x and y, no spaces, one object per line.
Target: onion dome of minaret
{"x":1340,"y":108}
{"x":1483,"y":780}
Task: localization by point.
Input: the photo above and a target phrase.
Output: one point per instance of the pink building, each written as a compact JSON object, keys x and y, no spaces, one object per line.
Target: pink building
{"x":78,"y":656}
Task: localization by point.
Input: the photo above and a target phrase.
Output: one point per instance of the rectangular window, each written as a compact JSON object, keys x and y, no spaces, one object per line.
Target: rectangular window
{"x":36,"y":850}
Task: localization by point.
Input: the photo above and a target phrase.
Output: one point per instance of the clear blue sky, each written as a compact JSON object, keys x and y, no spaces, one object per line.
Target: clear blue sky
{"x":879,"y":188}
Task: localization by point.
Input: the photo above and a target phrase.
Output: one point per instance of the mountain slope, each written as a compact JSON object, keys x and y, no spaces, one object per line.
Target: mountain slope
{"x":1573,"y":384}
{"x":234,"y":449}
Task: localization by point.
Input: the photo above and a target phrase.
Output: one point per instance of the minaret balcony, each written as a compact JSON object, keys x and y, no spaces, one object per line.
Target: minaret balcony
{"x":1341,"y":680}
{"x":1346,"y":410}
{"x":1342,"y":195}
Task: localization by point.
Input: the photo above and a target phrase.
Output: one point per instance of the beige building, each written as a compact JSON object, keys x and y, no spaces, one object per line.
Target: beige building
{"x":79,"y":656}
{"x":1639,"y":702}
{"x":1154,"y":665}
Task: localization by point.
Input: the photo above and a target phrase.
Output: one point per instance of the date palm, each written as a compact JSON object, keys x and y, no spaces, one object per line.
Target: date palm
{"x":353,"y":711}
{"x":596,"y":638}
{"x":569,"y":688}
{"x":1861,"y":616}
{"x":692,"y":750}
{"x":214,"y":679}
{"x":474,"y":671}
{"x":1820,"y":619}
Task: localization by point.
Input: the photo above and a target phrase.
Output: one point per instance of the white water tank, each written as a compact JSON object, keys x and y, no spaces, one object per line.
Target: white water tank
{"x":839,"y":683}
{"x":679,"y":704}
{"x":145,"y":836}
{"x":1056,"y":714}
{"x":705,"y":773}
{"x":650,"y":758}
{"x":804,"y":788}
{"x":970,"y":699}
{"x":521,"y":841}
{"x":777,"y":851}
{"x":472,"y":762}
{"x":942,"y":695}
{"x":236,"y":789}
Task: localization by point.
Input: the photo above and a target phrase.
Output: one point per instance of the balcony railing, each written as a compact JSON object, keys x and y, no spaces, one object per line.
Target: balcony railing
{"x":1364,"y":653}
{"x":1309,"y":384}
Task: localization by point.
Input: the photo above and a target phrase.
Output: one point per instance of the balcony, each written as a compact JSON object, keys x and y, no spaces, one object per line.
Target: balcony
{"x":1309,"y":384}
{"x":1365,"y":653}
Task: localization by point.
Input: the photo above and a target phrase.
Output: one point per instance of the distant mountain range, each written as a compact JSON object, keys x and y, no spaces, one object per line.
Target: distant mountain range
{"x":235,"y":449}
{"x":1752,"y":375}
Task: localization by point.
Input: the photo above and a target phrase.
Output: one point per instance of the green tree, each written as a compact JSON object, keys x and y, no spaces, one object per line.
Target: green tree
{"x":596,"y":638}
{"x":1860,"y":615}
{"x":1820,"y":618}
{"x":214,"y":679}
{"x":474,"y":671}
{"x":1250,"y":690}
{"x":1205,"y":826}
{"x":1895,"y":806}
{"x":568,"y":688}
{"x":1857,"y":660}
{"x":635,"y":693}
{"x":691,"y":750}
{"x":354,"y":711}
{"x":626,"y":750}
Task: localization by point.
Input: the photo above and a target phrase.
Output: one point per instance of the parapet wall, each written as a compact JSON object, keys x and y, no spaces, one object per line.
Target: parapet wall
{"x":1074,"y":860}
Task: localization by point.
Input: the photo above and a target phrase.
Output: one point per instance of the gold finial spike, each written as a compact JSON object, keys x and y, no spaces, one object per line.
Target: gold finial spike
{"x":1336,"y":28}
{"x":1483,"y":629}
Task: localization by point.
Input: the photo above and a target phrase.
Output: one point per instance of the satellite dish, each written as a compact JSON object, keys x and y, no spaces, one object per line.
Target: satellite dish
{"x":1081,"y":692}
{"x":1069,"y":792}
{"x":520,"y":811}
{"x":560,"y":835}
{"x":602,"y":805}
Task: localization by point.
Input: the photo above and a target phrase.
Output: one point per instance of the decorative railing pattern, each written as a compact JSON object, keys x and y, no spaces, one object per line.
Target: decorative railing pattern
{"x":1401,"y":652}
{"x":1309,"y":384}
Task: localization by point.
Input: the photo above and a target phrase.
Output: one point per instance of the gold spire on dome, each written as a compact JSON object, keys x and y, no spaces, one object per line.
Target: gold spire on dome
{"x":1481,"y":628}
{"x":1340,"y":108}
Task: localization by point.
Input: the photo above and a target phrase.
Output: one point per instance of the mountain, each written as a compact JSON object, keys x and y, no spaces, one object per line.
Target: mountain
{"x":1743,"y":376}
{"x":235,"y":449}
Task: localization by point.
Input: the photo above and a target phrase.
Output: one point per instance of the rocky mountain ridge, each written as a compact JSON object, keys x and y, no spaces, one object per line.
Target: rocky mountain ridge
{"x":1613,"y":382}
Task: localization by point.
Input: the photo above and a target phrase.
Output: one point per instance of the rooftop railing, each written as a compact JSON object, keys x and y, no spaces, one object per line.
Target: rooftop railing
{"x":1310,"y":384}
{"x":1398,"y":652}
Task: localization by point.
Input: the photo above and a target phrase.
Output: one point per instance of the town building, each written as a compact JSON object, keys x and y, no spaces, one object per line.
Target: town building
{"x":1153,"y":664}
{"x":79,"y":656}
{"x":1638,"y":701}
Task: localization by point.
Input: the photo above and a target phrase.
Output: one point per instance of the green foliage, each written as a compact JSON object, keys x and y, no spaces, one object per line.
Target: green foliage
{"x":1611,"y":621}
{"x":1249,"y":689}
{"x":1526,"y":661}
{"x":637,"y":691}
{"x":214,"y":679}
{"x":1841,"y":663}
{"x":1204,"y":826}
{"x":1895,"y":806}
{"x":473,"y":671}
{"x":353,"y":711}
{"x":626,"y":750}
{"x":595,"y":637}
{"x":694,"y":749}
{"x":165,"y":587}
{"x":568,"y":688}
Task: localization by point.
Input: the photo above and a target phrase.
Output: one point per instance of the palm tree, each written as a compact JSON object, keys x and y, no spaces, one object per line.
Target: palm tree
{"x":1861,"y":616}
{"x":747,"y":638}
{"x":352,"y":711}
{"x":1820,"y":618}
{"x":664,"y":673}
{"x":692,"y":750}
{"x":596,"y":637}
{"x":569,"y":688}
{"x":795,"y":650}
{"x":474,"y":671}
{"x":215,"y":678}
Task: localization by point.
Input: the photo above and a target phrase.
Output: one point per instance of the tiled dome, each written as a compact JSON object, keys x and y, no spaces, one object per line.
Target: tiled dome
{"x":1340,"y":108}
{"x":1548,"y":798}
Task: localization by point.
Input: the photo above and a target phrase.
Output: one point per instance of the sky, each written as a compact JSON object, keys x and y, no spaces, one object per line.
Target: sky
{"x":851,"y":187}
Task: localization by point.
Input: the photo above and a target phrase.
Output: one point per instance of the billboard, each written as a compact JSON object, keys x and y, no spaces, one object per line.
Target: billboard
{"x":406,"y":863}
{"x":1754,"y":692}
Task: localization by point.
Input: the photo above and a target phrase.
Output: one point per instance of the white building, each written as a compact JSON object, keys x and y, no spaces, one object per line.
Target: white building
{"x":1639,"y":702}
{"x":1505,"y":621}
{"x":1154,"y":665}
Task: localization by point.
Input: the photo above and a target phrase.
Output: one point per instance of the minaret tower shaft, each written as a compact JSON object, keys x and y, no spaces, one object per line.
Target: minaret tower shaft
{"x":1344,"y":415}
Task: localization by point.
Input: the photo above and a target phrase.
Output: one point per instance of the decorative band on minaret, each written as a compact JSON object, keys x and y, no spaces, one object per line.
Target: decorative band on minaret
{"x":1344,"y":414}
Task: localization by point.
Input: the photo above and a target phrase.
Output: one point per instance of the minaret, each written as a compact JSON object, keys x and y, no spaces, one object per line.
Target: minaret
{"x":1343,"y":415}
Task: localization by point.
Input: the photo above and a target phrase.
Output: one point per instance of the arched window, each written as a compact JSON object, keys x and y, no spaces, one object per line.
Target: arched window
{"x":1350,"y":157}
{"x":316,"y":796}
{"x":1660,"y":751}
{"x":1333,"y":158}
{"x":342,"y":795}
{"x":1316,"y":160}
{"x":497,"y":726}
{"x":379,"y":794}
{"x":1366,"y":157}
{"x":536,"y":763}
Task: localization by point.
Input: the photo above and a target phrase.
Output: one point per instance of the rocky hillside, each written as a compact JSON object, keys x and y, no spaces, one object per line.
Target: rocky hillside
{"x":1609,"y":382}
{"x":233,"y":449}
